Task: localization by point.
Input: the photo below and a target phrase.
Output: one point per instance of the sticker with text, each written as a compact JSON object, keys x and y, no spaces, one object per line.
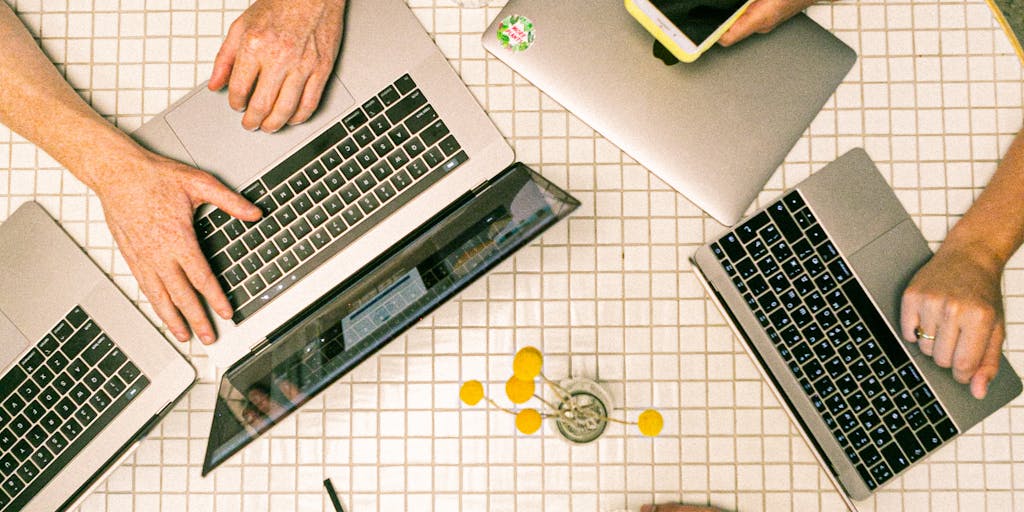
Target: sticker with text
{"x":516,"y":33}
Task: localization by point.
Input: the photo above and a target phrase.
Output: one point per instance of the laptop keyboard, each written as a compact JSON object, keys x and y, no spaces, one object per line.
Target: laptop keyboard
{"x":849,"y":363}
{"x":60,"y":396}
{"x":328,"y":193}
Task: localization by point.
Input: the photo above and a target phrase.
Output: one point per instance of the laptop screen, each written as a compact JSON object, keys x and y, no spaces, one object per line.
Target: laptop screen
{"x":379,"y":302}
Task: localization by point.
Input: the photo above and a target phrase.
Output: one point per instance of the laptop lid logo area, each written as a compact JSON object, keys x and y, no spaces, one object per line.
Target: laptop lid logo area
{"x":516,"y":33}
{"x":380,"y":302}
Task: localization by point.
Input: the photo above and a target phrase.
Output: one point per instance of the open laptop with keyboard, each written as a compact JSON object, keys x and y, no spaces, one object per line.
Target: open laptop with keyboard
{"x":85,"y":374}
{"x":812,"y":285}
{"x":397,"y":138}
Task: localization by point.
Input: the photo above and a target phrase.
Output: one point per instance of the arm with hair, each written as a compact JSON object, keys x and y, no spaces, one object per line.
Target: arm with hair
{"x":148,"y":200}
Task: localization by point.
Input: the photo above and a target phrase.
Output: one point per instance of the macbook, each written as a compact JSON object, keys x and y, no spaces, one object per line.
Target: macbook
{"x":715,"y":130}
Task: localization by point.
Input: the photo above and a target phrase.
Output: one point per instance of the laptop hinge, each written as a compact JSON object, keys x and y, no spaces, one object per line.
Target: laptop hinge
{"x":259,"y":345}
{"x":480,"y":186}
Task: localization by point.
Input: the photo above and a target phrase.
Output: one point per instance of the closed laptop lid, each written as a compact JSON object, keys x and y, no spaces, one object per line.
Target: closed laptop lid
{"x":379,"y":303}
{"x":715,"y":129}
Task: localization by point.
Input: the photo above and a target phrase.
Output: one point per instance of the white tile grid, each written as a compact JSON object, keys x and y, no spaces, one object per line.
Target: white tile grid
{"x":935,"y":99}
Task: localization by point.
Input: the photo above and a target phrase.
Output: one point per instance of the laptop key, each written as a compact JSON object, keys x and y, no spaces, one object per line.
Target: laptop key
{"x":946,"y":430}
{"x":302,"y":204}
{"x":252,"y":240}
{"x":785,"y":222}
{"x":71,"y":429}
{"x":28,"y":471}
{"x":350,"y":194}
{"x":115,"y":386}
{"x":94,"y":380}
{"x":283,"y":194}
{"x":85,"y":415}
{"x":62,"y":331}
{"x":398,"y":158}
{"x":749,"y":229}
{"x":334,"y":205}
{"x":330,"y":160}
{"x":405,"y":84}
{"x":352,"y":215}
{"x":363,"y":137}
{"x":336,"y":227}
{"x":271,"y":273}
{"x":380,"y":125}
{"x":112,"y":362}
{"x":76,"y":317}
{"x":417,"y":168}
{"x":368,"y":203}
{"x":316,"y":171}
{"x":347,"y":148}
{"x":318,"y":193}
{"x":268,"y":252}
{"x":354,"y":120}
{"x":320,"y":238}
{"x":100,"y":401}
{"x":303,"y":250}
{"x":406,"y":106}
{"x":287,"y":261}
{"x":316,"y":217}
{"x":373,"y":107}
{"x":450,"y":146}
{"x":381,"y":170}
{"x":301,"y":228}
{"x":389,"y":95}
{"x":8,"y":464}
{"x":384,"y":191}
{"x":881,"y":472}
{"x":129,"y":372}
{"x":254,"y":285}
{"x":414,"y":147}
{"x":928,"y":438}
{"x":365,"y":182}
{"x":399,"y":135}
{"x":97,"y":349}
{"x":285,"y":240}
{"x":56,"y":443}
{"x":433,"y":133}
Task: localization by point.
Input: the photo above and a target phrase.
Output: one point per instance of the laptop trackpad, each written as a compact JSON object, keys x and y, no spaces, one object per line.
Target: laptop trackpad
{"x":12,"y":342}
{"x":212,"y":133}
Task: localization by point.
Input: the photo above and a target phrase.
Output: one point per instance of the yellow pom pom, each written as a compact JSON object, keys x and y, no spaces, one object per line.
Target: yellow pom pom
{"x":650,"y":423}
{"x":472,"y":392}
{"x":527,"y":363}
{"x":528,"y":421}
{"x":518,"y":390}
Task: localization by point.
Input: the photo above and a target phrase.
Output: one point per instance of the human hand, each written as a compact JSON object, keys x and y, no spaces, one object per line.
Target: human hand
{"x":676,"y":508}
{"x":150,"y":211}
{"x":953,"y":310}
{"x":277,"y":58}
{"x":762,"y":16}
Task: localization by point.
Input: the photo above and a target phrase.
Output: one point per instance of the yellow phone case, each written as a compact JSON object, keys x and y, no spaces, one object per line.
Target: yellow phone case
{"x":669,"y":43}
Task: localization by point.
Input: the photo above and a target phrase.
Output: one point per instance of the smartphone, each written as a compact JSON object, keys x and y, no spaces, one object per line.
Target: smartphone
{"x":687,"y":28}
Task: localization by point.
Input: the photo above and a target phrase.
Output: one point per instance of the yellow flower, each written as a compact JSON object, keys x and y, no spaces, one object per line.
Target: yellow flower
{"x":527,"y":363}
{"x":528,"y":421}
{"x":650,"y":423}
{"x":472,"y":392}
{"x":518,"y":390}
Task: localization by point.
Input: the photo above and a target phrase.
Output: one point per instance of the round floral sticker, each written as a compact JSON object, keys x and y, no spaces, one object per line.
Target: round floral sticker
{"x":516,"y":33}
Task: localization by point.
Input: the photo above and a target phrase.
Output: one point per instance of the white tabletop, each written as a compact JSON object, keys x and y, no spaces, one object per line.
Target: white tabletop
{"x":935,"y":98}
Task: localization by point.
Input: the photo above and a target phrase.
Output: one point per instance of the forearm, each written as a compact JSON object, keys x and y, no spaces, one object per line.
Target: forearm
{"x":993,"y":228}
{"x":37,"y":103}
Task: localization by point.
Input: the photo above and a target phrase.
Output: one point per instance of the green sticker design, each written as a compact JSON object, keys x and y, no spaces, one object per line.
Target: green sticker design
{"x":516,"y":33}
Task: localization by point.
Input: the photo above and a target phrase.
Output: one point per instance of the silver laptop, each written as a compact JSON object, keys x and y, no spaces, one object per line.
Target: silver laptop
{"x":715,"y":129}
{"x":812,"y":285}
{"x":398,"y":137}
{"x":393,"y":197}
{"x":85,"y":375}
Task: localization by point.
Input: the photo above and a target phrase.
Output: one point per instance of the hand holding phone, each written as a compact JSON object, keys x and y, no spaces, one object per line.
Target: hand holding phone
{"x":762,"y":16}
{"x":687,"y":27}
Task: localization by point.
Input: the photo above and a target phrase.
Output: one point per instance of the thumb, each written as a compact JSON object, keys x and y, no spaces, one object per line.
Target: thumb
{"x":207,"y":189}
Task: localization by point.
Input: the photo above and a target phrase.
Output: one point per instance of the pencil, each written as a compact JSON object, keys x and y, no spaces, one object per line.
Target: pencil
{"x":333,"y":495}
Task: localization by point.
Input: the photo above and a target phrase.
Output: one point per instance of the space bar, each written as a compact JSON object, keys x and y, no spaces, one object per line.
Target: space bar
{"x":875,"y":324}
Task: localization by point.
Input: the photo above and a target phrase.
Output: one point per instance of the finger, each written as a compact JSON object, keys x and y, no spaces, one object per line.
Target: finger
{"x":243,"y":78}
{"x":910,"y":314}
{"x":287,"y":102}
{"x":930,"y":319}
{"x":310,"y":97}
{"x":185,"y":299}
{"x":989,"y":362}
{"x":745,"y":26}
{"x":207,"y":189}
{"x":970,"y":348}
{"x":198,"y":271}
{"x":225,"y":60}
{"x":153,"y":288}
{"x":947,"y":336}
{"x":261,"y":103}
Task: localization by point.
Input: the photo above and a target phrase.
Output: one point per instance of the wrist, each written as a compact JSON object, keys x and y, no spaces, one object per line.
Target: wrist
{"x":101,"y":155}
{"x":974,"y":247}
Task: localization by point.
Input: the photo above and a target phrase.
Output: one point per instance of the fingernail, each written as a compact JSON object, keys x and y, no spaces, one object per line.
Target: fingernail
{"x":225,"y":314}
{"x":181,"y":336}
{"x":207,"y":338}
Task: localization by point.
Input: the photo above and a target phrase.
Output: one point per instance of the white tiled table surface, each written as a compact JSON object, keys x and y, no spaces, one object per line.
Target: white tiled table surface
{"x":935,"y":98}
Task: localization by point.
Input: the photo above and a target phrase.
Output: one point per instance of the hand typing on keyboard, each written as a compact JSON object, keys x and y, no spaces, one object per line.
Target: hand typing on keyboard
{"x":148,"y":200}
{"x":276,"y":59}
{"x":953,"y":307}
{"x":762,"y":16}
